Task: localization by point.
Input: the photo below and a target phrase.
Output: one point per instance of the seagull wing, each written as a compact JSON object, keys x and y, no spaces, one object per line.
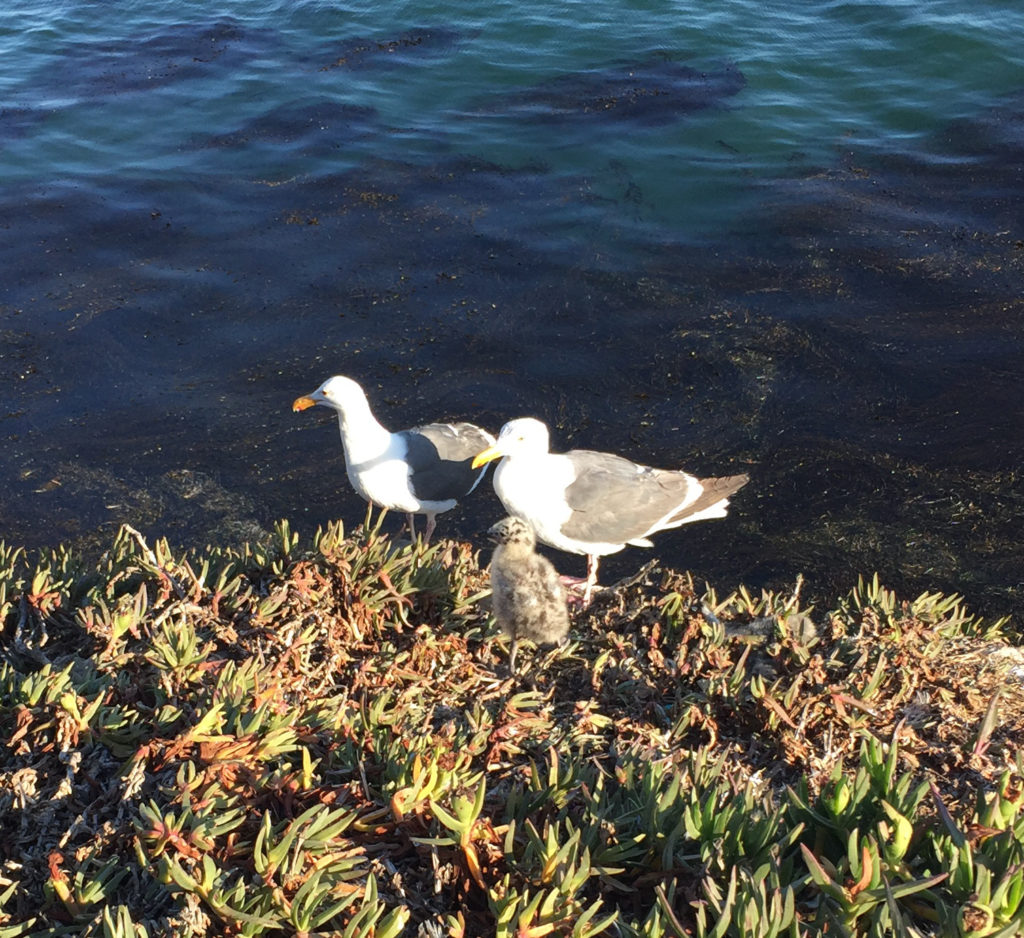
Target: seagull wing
{"x":712,"y":500}
{"x":440,"y":457}
{"x":617,"y":501}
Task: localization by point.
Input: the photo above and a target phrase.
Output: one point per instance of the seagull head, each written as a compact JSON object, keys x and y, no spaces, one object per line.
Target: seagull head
{"x":521,"y":436}
{"x":512,"y":530}
{"x":338,"y":392}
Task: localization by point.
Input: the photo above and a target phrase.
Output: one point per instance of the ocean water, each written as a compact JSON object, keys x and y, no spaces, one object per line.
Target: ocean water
{"x":785,"y":240}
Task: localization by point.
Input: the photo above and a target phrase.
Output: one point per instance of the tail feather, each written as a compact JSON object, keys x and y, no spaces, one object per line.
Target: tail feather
{"x":713,"y":502}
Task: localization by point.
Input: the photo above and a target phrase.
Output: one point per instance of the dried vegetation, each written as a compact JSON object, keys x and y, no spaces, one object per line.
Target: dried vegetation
{"x":282,"y":740}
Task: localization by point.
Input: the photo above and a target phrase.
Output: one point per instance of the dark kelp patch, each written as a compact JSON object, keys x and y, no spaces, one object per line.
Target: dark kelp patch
{"x":647,"y":93}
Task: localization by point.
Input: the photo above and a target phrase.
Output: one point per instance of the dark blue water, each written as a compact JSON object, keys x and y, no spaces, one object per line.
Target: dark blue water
{"x":787,"y":242}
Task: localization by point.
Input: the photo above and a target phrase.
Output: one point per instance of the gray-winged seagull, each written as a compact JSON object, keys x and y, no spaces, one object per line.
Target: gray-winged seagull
{"x":593,"y":503}
{"x":424,"y":470}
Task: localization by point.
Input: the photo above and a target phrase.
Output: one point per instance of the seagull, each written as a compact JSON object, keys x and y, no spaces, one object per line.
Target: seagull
{"x":527,"y":595}
{"x":424,"y":470}
{"x":593,"y":503}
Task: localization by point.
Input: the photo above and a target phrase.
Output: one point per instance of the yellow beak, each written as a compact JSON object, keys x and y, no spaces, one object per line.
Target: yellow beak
{"x":492,"y":452}
{"x":301,"y":403}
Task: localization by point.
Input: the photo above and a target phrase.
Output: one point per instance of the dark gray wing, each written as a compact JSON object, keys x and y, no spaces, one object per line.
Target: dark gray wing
{"x":616,"y":500}
{"x":440,"y":456}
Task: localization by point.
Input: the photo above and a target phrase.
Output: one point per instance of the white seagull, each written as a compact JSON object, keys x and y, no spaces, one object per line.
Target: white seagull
{"x":593,"y":503}
{"x":424,"y":470}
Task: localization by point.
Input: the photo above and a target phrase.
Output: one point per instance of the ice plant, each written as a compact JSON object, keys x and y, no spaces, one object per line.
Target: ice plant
{"x":297,"y":738}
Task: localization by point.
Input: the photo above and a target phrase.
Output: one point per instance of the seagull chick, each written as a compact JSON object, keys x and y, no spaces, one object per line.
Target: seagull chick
{"x":527,"y":596}
{"x":593,"y":503}
{"x":424,"y":470}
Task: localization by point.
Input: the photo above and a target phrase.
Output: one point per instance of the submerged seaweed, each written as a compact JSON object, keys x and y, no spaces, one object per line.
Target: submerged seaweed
{"x":281,"y":739}
{"x":646,"y":93}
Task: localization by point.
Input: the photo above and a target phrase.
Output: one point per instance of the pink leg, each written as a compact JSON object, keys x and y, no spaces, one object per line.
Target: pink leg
{"x":577,"y":584}
{"x":410,"y":523}
{"x":591,"y":578}
{"x":431,"y":524}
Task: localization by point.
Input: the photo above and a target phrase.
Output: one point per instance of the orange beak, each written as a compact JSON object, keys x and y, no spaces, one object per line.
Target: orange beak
{"x":302,"y":403}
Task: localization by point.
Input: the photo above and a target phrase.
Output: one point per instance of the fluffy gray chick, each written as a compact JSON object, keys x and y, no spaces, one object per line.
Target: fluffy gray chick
{"x":527,"y":595}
